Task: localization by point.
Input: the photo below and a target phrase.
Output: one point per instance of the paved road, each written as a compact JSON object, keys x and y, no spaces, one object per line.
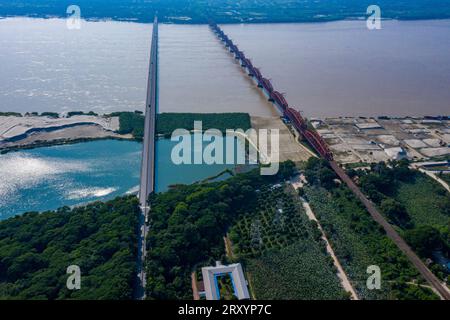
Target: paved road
{"x":148,"y":160}
{"x":392,"y":234}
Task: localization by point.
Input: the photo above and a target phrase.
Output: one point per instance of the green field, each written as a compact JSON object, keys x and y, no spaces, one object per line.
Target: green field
{"x":283,"y":252}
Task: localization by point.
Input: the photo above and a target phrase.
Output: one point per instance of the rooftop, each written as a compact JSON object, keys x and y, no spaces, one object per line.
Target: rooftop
{"x":237,"y":275}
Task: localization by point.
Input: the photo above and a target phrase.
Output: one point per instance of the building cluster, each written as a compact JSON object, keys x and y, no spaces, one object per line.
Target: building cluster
{"x":368,"y":140}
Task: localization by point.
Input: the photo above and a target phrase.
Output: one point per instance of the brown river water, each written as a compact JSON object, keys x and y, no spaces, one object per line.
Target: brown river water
{"x":326,"y":69}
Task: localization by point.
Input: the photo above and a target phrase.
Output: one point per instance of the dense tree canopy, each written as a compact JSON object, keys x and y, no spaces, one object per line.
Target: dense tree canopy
{"x":167,"y":123}
{"x":188,"y":225}
{"x":424,"y":240}
{"x":318,"y":172}
{"x":100,"y":238}
{"x":415,"y":203}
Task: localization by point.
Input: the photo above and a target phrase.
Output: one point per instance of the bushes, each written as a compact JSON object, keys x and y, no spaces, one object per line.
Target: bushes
{"x":318,"y":172}
{"x":424,"y":240}
{"x":80,"y":113}
{"x":36,"y":249}
{"x":10,"y":114}
{"x":130,"y":123}
{"x":395,"y":212}
{"x":53,"y":115}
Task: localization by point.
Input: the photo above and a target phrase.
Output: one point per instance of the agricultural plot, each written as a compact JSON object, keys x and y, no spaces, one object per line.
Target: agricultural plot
{"x":284,"y":255}
{"x":359,"y":243}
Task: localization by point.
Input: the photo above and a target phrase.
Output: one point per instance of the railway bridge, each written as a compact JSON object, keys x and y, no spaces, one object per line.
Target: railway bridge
{"x":321,"y":147}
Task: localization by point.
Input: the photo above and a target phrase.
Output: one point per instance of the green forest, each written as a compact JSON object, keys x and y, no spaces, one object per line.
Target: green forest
{"x":100,"y":238}
{"x":359,"y":241}
{"x":416,"y":204}
{"x":229,"y":11}
{"x":188,"y":225}
{"x":166,"y":123}
{"x":131,"y":123}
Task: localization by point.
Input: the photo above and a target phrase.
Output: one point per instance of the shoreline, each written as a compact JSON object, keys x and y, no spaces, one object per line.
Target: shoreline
{"x":60,"y":142}
{"x":195,"y":22}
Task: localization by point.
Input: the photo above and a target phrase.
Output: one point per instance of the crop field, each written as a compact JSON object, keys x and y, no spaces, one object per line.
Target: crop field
{"x":359,"y":243}
{"x":284,"y":255}
{"x":276,"y":224}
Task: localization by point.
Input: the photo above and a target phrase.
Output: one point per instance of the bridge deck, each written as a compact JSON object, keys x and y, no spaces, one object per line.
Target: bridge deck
{"x":148,"y":159}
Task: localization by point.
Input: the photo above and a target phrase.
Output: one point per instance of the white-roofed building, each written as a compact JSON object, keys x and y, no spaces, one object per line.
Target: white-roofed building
{"x":396,"y":153}
{"x":210,"y":281}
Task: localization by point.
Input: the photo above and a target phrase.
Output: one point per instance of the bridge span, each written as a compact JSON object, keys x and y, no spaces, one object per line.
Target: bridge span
{"x":321,"y":147}
{"x":148,"y":161}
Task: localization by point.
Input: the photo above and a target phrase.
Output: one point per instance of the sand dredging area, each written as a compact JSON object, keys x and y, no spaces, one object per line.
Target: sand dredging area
{"x":28,"y":131}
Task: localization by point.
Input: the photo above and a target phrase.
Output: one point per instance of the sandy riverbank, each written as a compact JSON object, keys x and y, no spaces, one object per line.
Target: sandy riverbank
{"x":34,"y":131}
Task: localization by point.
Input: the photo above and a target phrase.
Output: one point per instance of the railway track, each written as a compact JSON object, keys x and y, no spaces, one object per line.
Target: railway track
{"x":321,"y":147}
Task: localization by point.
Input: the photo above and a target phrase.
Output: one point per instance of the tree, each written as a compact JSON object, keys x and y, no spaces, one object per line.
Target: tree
{"x":395,"y":212}
{"x":424,"y":240}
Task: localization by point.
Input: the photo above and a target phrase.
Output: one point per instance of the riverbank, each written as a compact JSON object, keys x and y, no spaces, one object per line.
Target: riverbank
{"x":25,"y":132}
{"x":244,"y":11}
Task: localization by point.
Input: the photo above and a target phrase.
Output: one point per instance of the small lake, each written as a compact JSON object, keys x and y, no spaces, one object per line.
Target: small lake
{"x":67,"y":175}
{"x":168,"y":173}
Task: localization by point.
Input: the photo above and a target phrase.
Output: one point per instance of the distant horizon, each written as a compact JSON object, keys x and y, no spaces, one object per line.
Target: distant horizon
{"x":243,"y":11}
